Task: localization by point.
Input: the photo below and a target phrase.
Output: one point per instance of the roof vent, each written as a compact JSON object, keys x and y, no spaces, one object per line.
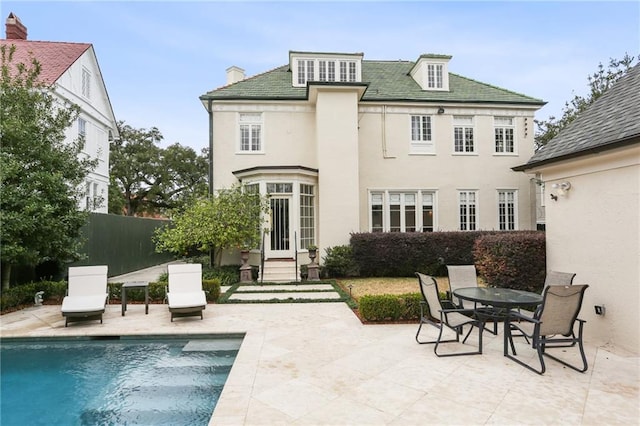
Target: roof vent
{"x":15,"y":30}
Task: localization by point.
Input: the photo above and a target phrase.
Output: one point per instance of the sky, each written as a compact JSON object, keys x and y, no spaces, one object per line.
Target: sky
{"x":158,"y":57}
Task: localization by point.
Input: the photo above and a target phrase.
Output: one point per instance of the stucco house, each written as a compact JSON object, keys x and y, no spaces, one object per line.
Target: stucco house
{"x":342,"y":144}
{"x":591,"y":173}
{"x":72,"y":70}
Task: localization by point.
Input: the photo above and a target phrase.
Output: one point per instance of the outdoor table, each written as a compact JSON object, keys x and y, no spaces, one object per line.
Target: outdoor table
{"x":135,"y":284}
{"x":500,"y":300}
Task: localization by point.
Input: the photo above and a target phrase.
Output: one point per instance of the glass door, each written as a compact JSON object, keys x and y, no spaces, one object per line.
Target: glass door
{"x":280,"y":235}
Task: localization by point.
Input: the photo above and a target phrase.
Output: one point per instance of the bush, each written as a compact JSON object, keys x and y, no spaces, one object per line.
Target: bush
{"x":24,"y":294}
{"x":386,"y":307}
{"x":512,"y":260}
{"x":339,"y":263}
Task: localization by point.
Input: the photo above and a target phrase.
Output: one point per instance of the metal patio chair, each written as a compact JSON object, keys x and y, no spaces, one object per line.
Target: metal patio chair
{"x":551,"y":325}
{"x":455,"y":319}
{"x":461,"y":276}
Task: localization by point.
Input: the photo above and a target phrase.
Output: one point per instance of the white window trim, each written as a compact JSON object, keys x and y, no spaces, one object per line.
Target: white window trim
{"x":475,"y":139}
{"x":420,"y":147}
{"x":86,"y":83}
{"x":515,"y":208}
{"x":316,"y":75}
{"x":386,"y":212}
{"x":477,"y":209}
{"x":239,"y":149}
{"x":515,"y":136}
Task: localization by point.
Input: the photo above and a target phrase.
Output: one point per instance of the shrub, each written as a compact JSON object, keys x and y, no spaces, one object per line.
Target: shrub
{"x":512,"y":260}
{"x":211,"y":289}
{"x":339,"y":262}
{"x":387,"y":307}
{"x":24,"y":294}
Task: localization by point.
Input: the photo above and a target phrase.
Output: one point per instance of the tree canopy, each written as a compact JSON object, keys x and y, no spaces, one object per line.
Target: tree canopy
{"x":599,"y":82}
{"x":41,"y":173}
{"x":148,"y":179}
{"x":230,"y":219}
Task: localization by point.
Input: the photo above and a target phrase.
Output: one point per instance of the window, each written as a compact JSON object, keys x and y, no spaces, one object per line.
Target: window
{"x":463,"y":134}
{"x":307,"y":216}
{"x":250,"y":132}
{"x":434,"y":76}
{"x":86,"y":83}
{"x":280,"y":188}
{"x":504,"y":131}
{"x":507,"y":210}
{"x":399,"y":212}
{"x":420,"y":128}
{"x":347,"y":71}
{"x":468,"y":207}
{"x":82,"y":127}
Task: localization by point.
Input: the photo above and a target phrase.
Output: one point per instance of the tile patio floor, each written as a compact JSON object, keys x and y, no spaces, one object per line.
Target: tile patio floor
{"x":316,"y":364}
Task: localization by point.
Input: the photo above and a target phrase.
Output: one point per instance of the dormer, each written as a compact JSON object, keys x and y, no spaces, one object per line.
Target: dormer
{"x":325,"y":67}
{"x":431,"y":72}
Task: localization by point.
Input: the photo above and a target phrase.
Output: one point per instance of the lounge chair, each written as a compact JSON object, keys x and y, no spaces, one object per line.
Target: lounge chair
{"x":185,"y":295}
{"x":87,"y":294}
{"x":552,"y":326}
{"x":455,"y":319}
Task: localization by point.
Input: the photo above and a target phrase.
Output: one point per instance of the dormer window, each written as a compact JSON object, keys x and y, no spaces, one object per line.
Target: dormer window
{"x":431,"y":72}
{"x":325,"y":67}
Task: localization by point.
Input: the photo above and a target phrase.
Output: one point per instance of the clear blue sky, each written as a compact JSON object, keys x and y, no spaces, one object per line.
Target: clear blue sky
{"x":158,"y":57}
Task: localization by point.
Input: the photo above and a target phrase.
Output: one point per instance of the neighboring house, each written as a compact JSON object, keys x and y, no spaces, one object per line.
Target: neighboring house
{"x":73,"y":72}
{"x":591,"y":172}
{"x":342,"y":145}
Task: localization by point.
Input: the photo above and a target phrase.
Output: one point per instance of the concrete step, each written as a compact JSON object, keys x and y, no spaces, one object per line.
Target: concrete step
{"x":279,"y":271}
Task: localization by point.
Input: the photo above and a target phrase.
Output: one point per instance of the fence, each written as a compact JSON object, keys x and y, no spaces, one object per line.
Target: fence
{"x":122,"y":242}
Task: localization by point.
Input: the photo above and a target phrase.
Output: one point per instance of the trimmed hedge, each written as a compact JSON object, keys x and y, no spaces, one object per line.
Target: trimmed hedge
{"x":513,"y":260}
{"x":387,"y":307}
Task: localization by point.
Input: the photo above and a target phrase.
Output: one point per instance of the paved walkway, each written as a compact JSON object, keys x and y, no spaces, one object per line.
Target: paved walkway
{"x":316,"y":364}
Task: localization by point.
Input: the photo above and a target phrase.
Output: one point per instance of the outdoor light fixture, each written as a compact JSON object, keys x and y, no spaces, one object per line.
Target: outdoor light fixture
{"x":440,"y":110}
{"x":561,"y":190}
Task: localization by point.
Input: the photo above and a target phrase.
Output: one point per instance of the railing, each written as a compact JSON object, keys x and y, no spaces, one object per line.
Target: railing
{"x":295,"y":252}
{"x":262,"y":256}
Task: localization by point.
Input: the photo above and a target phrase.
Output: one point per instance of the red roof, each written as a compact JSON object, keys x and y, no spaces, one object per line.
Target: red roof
{"x":54,"y":57}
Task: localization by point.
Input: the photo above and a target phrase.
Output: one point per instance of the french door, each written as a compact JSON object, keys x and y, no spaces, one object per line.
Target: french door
{"x":281,"y":240}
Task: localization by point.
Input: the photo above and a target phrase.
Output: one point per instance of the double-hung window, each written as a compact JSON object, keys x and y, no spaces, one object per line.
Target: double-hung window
{"x":421,"y":135}
{"x":503,"y":128}
{"x":468,"y":210}
{"x":507,"y":210}
{"x":463,"y":135}
{"x":434,"y":76}
{"x":250,"y":132}
{"x":409,"y":211}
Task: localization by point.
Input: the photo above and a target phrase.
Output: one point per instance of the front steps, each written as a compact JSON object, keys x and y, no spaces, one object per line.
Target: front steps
{"x":280,"y":271}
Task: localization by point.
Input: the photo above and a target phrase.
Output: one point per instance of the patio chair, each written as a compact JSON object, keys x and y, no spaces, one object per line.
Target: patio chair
{"x":185,"y":295}
{"x":551,"y":325}
{"x":87,"y":294}
{"x":461,"y":276}
{"x":455,"y":319}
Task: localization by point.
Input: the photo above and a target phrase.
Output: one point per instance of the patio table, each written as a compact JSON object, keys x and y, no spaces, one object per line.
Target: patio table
{"x":497,"y":301}
{"x":135,"y":284}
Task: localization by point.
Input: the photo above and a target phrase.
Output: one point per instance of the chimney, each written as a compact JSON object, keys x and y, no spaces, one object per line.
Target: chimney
{"x":15,"y":29}
{"x":234,"y":74}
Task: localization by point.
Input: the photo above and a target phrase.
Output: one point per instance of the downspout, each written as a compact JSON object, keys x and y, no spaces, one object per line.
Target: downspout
{"x":210,"y":110}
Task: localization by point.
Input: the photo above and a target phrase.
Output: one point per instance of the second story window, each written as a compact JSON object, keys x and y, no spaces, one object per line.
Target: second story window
{"x":504,"y":131}
{"x":420,"y":128}
{"x":250,"y":132}
{"x":82,"y":127}
{"x":86,"y":83}
{"x":463,"y":134}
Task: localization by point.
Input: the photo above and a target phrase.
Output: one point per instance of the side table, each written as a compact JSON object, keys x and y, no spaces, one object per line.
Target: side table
{"x":135,"y":284}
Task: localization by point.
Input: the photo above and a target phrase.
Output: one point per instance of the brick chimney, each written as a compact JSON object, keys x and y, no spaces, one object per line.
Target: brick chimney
{"x":15,"y":29}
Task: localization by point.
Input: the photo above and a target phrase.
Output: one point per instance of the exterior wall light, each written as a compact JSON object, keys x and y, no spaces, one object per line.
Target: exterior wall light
{"x":440,"y":110}
{"x":561,"y":190}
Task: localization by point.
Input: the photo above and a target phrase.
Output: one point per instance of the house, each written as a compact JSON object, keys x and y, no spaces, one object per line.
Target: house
{"x":342,"y":144}
{"x":72,"y":70}
{"x":591,"y":173}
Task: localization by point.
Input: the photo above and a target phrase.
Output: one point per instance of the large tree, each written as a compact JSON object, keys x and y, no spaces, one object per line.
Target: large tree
{"x":148,"y":179}
{"x":599,"y":82}
{"x":41,"y":173}
{"x":231,"y":219}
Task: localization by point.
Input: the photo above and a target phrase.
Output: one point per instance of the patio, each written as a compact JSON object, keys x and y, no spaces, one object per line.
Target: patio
{"x":315,"y":363}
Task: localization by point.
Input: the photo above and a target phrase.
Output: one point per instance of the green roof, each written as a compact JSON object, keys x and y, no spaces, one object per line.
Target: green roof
{"x":387,"y":81}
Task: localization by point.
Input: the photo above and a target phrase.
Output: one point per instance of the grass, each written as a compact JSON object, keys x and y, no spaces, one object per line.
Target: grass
{"x":377,"y":285}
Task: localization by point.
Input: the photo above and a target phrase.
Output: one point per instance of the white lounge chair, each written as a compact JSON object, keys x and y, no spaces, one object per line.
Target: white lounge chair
{"x":185,"y":295}
{"x":87,"y":294}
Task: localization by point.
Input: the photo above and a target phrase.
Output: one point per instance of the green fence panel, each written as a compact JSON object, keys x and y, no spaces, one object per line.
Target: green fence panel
{"x":124,"y":243}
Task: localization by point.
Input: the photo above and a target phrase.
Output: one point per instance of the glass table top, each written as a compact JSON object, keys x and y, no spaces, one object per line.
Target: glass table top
{"x":496,"y":296}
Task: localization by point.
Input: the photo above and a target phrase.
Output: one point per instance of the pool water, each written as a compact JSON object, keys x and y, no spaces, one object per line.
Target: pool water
{"x":114,"y":381}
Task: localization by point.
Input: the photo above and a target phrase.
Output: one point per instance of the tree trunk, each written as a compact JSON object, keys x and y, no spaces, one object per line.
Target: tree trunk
{"x":6,"y":275}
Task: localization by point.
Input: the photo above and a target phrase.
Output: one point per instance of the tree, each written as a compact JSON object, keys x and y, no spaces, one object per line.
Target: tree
{"x":599,"y":82}
{"x":146,"y":178}
{"x":41,"y":173}
{"x":230,"y":219}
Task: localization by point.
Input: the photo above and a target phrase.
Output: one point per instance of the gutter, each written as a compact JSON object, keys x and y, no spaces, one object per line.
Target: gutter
{"x":210,"y":111}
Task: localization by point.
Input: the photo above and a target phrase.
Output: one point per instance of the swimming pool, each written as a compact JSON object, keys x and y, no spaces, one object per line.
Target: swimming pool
{"x":154,"y":380}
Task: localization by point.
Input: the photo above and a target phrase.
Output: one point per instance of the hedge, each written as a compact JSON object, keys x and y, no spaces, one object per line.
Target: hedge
{"x":387,"y":307}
